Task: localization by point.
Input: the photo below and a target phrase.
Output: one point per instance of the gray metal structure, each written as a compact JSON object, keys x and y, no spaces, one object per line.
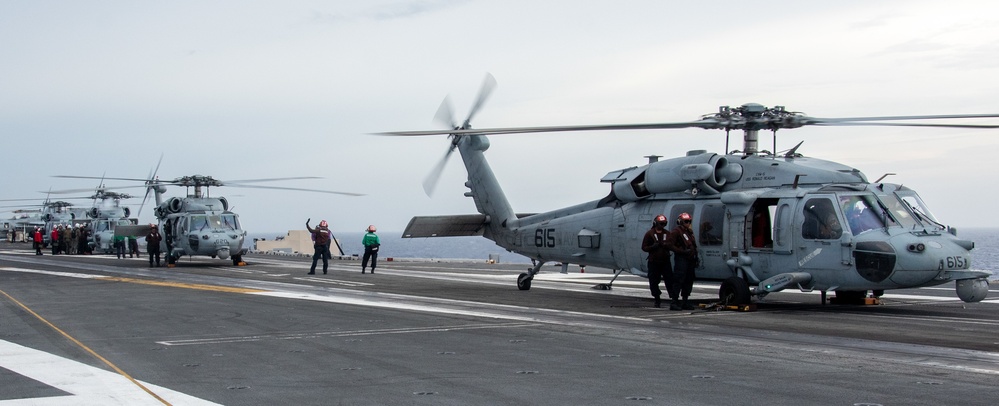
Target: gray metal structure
{"x":764,"y":222}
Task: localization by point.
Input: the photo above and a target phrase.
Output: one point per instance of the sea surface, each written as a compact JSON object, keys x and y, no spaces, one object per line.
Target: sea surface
{"x":394,"y":246}
{"x":985,"y":256}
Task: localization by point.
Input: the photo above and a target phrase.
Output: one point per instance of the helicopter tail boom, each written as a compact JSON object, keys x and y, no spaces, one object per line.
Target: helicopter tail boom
{"x":485,"y":189}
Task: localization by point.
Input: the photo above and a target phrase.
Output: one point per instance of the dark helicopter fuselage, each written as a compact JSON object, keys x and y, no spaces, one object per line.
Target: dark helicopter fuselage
{"x":200,"y":226}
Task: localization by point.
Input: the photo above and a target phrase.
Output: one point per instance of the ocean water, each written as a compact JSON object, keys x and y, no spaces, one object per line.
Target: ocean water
{"x":393,"y":245}
{"x":984,"y":257}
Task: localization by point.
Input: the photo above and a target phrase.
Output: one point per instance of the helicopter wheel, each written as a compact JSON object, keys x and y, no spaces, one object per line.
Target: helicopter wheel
{"x":524,"y":281}
{"x":734,"y":291}
{"x":237,"y":259}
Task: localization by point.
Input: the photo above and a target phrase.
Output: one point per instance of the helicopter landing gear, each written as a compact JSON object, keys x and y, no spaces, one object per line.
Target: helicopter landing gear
{"x":238,"y":260}
{"x":734,"y":291}
{"x":524,"y":279}
{"x":607,"y":286}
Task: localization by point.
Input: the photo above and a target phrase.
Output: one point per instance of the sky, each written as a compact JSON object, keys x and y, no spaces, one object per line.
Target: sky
{"x":272,"y":89}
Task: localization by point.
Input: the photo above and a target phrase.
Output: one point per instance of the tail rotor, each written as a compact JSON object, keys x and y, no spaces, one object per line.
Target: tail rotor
{"x":446,"y":117}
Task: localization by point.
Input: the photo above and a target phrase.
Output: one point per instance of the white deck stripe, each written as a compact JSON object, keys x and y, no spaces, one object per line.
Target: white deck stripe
{"x":88,"y":385}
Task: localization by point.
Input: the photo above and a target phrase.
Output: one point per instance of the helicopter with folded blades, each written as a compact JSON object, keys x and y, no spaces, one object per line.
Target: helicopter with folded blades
{"x":764,"y":222}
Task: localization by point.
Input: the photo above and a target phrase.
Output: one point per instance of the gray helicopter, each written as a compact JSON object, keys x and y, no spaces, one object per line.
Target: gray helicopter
{"x":49,"y":215}
{"x":199,"y":224}
{"x":105,"y":215}
{"x":106,"y":218}
{"x":764,"y":222}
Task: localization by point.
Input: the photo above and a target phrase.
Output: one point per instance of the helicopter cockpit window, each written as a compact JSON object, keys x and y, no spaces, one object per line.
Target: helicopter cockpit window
{"x":914,"y":204}
{"x":198,"y":223}
{"x":102,"y":226}
{"x":229,"y":222}
{"x":899,"y":212}
{"x":215,"y":222}
{"x":711,"y":225}
{"x":821,"y":222}
{"x":862,"y":213}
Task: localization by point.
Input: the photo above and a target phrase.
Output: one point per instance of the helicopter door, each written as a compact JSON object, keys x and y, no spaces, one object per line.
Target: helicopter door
{"x":821,"y":235}
{"x":710,"y":228}
{"x":628,"y":244}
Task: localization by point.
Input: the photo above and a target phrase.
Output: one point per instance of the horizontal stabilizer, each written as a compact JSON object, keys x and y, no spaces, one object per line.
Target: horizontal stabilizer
{"x":140,"y":230}
{"x":465,"y":225}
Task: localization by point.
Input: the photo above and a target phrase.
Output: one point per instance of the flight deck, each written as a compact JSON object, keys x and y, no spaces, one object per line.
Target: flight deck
{"x":98,"y":330}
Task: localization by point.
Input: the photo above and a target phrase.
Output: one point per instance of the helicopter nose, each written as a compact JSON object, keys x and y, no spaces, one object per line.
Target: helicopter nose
{"x":922,"y":259}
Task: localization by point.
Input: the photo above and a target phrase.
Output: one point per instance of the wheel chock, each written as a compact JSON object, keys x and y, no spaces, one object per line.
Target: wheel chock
{"x":739,"y":308}
{"x":867,"y":301}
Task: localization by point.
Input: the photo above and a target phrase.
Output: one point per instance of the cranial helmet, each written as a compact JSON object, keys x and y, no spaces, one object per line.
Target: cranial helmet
{"x":372,"y":228}
{"x":660,"y":220}
{"x":684,"y":217}
{"x":323,"y":224}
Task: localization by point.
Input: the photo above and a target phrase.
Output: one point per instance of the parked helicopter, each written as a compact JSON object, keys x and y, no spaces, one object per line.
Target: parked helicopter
{"x":199,"y":224}
{"x":59,"y":213}
{"x":21,"y":224}
{"x":106,"y":218}
{"x":764,"y":222}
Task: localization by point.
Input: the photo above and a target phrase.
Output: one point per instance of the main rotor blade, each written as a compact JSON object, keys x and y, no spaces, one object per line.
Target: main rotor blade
{"x":68,"y":191}
{"x":837,"y":124}
{"x":227,"y":182}
{"x":706,"y":124}
{"x":430,"y":182}
{"x":292,"y":188}
{"x":816,"y":120}
{"x":488,"y":84}
{"x":95,"y":177}
{"x":21,"y":200}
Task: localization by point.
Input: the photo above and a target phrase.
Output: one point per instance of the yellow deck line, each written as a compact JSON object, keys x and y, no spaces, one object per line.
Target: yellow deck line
{"x":183,"y":285}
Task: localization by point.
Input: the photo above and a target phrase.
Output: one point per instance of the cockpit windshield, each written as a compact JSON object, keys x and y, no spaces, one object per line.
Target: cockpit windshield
{"x":198,"y":223}
{"x":229,"y":222}
{"x":863,"y":213}
{"x":900,"y":211}
{"x":102,"y":226}
{"x":910,"y":202}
